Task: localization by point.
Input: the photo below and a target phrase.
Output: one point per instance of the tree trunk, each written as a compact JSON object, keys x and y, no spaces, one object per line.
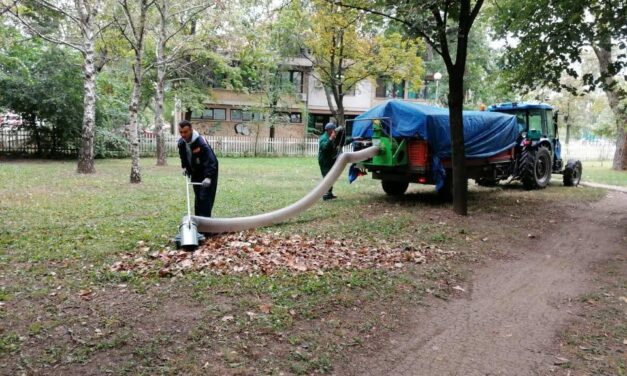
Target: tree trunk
{"x":327,"y":93}
{"x":456,"y":107}
{"x":86,"y":153}
{"x":611,"y":88}
{"x":133,"y":114}
{"x":159,"y":95}
{"x":340,"y":117}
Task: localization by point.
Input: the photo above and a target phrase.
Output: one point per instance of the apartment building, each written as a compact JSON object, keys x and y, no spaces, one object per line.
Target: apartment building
{"x":233,"y":113}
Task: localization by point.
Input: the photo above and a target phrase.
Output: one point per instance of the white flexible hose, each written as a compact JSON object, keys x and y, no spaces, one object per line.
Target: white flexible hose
{"x":221,"y":225}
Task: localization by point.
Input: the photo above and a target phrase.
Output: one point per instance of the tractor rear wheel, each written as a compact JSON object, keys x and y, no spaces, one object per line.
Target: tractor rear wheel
{"x":394,"y":188}
{"x":535,"y":168}
{"x":572,"y":173}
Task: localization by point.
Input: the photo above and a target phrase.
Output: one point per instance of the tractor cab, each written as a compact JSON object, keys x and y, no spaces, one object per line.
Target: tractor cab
{"x":537,"y":123}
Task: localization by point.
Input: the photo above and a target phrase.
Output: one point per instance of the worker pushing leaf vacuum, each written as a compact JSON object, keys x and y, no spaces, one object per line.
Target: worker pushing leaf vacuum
{"x":200,"y":164}
{"x":200,"y":167}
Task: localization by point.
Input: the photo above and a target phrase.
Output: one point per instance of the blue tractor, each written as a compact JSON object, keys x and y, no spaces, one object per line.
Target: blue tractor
{"x":538,"y":151}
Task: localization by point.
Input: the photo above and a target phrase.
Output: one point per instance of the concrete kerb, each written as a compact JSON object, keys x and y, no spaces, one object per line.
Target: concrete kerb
{"x":604,"y":186}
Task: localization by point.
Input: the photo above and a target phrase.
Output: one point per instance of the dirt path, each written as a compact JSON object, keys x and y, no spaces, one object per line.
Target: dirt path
{"x":510,"y":313}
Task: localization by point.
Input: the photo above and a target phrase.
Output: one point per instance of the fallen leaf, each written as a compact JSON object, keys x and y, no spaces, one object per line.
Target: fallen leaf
{"x":257,"y":253}
{"x":265,"y":308}
{"x":531,"y":236}
{"x":86,"y":294}
{"x":227,"y":318}
{"x":623,"y":299}
{"x":459,"y":288}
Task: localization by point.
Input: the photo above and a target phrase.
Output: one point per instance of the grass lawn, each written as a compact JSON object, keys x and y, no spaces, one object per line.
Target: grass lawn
{"x":64,"y":311}
{"x":601,"y":172}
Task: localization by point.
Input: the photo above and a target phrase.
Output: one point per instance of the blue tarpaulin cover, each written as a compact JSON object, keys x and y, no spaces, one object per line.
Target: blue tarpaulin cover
{"x":485,"y":133}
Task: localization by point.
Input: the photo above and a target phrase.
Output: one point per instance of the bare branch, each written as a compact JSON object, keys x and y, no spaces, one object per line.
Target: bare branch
{"x":46,"y":37}
{"x":187,"y":21}
{"x":412,"y":26}
{"x":6,"y":8}
{"x":80,"y":23}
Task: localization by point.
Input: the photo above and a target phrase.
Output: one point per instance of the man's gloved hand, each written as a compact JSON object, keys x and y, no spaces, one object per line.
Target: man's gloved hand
{"x":184,"y":172}
{"x":339,"y":129}
{"x":206,"y":183}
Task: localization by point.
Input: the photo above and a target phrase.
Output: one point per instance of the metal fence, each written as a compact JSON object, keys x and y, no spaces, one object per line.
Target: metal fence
{"x":26,"y":143}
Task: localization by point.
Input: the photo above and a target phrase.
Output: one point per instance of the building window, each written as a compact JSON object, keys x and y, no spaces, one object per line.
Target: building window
{"x":351,"y":92}
{"x":210,"y":114}
{"x":295,"y":77}
{"x":219,"y":114}
{"x":241,"y":115}
{"x":296,"y":117}
{"x":389,"y":89}
{"x":236,"y":115}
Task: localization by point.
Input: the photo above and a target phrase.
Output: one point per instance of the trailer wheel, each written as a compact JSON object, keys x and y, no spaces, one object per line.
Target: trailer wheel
{"x":535,"y":168}
{"x":572,"y":173}
{"x":394,"y":188}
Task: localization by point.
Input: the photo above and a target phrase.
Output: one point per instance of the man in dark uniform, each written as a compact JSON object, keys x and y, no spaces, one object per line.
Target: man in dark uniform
{"x":327,"y":154}
{"x":200,"y":163}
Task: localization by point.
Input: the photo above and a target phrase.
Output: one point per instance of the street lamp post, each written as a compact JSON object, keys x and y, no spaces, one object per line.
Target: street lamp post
{"x":437,"y":76}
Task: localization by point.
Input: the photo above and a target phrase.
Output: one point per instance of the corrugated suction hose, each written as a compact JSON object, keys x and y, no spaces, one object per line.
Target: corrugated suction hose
{"x":221,"y":225}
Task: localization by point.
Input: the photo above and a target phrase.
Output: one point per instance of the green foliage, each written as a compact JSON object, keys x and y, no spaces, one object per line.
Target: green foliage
{"x":109,"y":144}
{"x":114,"y":89}
{"x":550,"y":36}
{"x":346,"y":52}
{"x":43,"y":83}
{"x":484,"y":80}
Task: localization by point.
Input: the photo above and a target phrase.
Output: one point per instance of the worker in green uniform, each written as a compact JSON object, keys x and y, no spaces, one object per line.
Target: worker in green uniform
{"x":330,"y":146}
{"x":327,"y":154}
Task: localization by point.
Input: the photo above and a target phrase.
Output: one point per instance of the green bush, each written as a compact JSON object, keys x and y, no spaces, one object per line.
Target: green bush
{"x":108,"y":144}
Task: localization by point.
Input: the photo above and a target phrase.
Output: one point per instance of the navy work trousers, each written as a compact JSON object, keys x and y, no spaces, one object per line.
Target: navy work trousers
{"x":205,"y":198}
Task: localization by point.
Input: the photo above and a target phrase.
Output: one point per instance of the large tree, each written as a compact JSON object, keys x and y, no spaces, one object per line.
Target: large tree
{"x":445,"y":25}
{"x":172,"y":42}
{"x":346,"y":51}
{"x":132,"y":21}
{"x":81,"y":23}
{"x":551,"y":36}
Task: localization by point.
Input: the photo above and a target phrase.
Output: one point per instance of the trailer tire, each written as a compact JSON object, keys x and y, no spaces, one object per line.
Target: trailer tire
{"x":572,"y":173}
{"x":535,"y":168}
{"x":394,"y":188}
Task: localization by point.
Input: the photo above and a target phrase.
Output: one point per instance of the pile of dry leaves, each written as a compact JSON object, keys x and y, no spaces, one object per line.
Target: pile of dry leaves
{"x":265,"y":253}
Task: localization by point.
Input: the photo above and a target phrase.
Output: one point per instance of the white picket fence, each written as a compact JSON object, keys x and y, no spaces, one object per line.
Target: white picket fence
{"x":240,"y":146}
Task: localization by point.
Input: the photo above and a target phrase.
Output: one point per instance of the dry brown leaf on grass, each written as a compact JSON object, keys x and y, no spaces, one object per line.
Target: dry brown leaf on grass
{"x":265,"y":253}
{"x":265,"y":308}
